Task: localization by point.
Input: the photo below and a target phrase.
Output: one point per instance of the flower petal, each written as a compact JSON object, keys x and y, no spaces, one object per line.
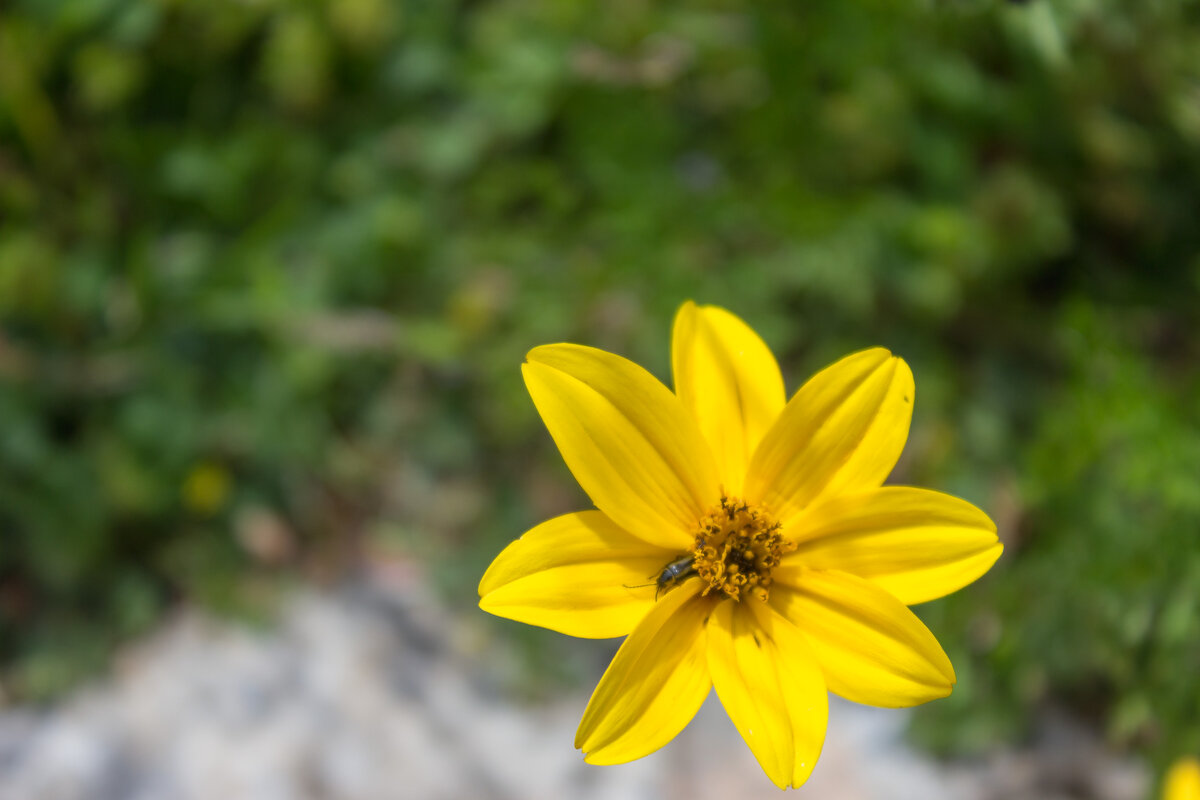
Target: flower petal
{"x":842,"y":432}
{"x":871,"y":647}
{"x":1183,"y":781}
{"x":629,"y":442}
{"x":726,"y":376}
{"x":771,"y":687}
{"x":578,"y":574}
{"x":654,"y":685}
{"x":916,"y":543}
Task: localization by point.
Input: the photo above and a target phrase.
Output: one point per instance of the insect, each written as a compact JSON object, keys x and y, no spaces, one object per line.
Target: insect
{"x":672,"y":575}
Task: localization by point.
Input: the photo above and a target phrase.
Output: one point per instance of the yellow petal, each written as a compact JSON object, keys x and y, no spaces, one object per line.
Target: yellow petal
{"x":916,"y":543}
{"x":842,"y":432}
{"x":654,"y":685}
{"x":629,"y":442}
{"x":726,"y":376}
{"x":771,"y":687}
{"x":579,"y":574}
{"x":1183,"y":781}
{"x":871,"y":647}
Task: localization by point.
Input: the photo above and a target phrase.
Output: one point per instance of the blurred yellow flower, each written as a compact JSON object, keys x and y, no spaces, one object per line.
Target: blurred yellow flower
{"x":780,"y":567}
{"x":206,"y":488}
{"x":1183,"y":781}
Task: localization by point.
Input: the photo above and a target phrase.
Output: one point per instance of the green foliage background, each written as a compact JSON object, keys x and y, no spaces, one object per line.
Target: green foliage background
{"x":267,"y":272}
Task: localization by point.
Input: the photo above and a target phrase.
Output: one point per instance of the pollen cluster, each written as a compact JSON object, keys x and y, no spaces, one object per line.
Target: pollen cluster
{"x":737,"y":546}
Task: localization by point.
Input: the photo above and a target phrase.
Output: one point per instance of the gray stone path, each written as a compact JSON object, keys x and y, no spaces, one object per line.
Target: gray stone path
{"x":359,"y":695}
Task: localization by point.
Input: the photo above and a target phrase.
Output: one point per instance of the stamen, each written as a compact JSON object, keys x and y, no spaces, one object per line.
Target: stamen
{"x":737,"y":546}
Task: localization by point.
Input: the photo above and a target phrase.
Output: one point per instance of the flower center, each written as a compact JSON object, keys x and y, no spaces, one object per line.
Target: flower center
{"x":737,"y":546}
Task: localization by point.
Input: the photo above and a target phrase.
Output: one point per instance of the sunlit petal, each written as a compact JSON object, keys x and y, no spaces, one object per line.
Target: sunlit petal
{"x":654,"y":685}
{"x":916,"y":543}
{"x":726,"y":376}
{"x":627,"y":439}
{"x":579,"y":574}
{"x":871,"y":647}
{"x":842,"y":432}
{"x":771,"y":687}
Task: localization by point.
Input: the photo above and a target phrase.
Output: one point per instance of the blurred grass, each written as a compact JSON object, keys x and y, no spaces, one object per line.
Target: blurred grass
{"x":267,"y":272}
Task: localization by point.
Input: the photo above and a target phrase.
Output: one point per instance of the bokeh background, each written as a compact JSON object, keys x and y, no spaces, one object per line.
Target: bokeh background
{"x":268,"y":270}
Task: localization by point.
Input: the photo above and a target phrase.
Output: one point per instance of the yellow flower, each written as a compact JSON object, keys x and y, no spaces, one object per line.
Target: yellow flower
{"x":780,"y":567}
{"x":1183,"y":781}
